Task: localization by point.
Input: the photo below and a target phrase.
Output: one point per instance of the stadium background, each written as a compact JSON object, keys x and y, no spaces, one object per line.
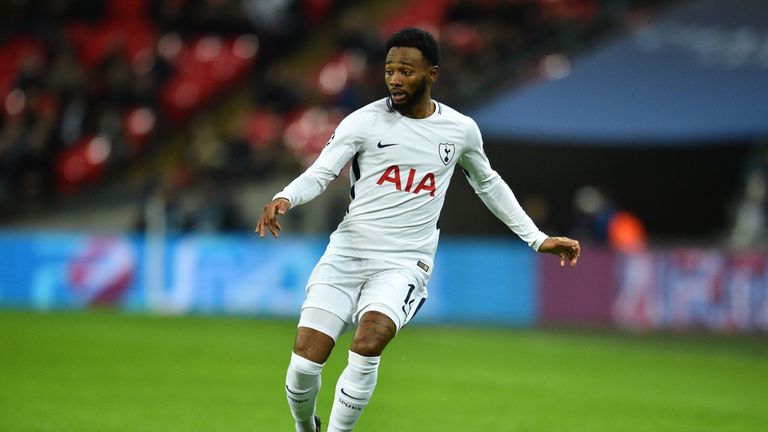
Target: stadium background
{"x":140,"y":139}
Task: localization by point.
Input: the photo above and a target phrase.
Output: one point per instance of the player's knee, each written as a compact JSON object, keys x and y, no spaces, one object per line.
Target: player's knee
{"x":313,"y":345}
{"x":305,"y":350}
{"x":368,"y":347}
{"x":374,"y":332}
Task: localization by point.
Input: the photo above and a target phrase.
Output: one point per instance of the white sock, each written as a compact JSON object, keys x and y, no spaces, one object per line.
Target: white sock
{"x":353,"y":391}
{"x":302,"y":383}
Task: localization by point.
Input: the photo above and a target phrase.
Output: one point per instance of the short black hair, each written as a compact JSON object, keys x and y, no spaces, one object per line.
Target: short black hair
{"x":411,"y":37}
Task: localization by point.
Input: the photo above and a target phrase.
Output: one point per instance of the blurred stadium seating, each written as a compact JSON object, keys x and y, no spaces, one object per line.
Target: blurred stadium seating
{"x":89,"y":86}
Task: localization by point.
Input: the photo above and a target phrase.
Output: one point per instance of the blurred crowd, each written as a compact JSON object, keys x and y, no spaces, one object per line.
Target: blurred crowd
{"x":91,"y":88}
{"x":749,"y":226}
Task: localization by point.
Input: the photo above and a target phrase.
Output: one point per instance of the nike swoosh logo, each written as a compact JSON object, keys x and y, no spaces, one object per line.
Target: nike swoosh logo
{"x":380,"y":145}
{"x":351,"y":397}
{"x":296,"y":393}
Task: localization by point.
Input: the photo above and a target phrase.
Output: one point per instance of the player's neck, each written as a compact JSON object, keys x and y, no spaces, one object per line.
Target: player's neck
{"x":420,"y":110}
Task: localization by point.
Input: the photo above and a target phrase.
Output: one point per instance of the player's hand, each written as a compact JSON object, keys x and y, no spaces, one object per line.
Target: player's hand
{"x":268,"y":218}
{"x":565,"y":248}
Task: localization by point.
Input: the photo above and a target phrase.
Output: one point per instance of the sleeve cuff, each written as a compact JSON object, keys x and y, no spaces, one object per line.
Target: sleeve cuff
{"x":283,"y":195}
{"x":540,"y":237}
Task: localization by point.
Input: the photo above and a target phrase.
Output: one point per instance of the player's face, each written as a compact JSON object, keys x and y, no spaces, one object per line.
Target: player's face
{"x":408,"y":76}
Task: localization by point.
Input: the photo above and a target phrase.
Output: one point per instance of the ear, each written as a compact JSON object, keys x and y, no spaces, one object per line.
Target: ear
{"x":432,"y":73}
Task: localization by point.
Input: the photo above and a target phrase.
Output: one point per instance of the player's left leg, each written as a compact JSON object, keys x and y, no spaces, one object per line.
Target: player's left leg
{"x":387,"y":302}
{"x":358,"y":380}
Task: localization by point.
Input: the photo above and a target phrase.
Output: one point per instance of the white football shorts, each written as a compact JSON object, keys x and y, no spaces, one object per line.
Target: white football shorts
{"x":348,"y":287}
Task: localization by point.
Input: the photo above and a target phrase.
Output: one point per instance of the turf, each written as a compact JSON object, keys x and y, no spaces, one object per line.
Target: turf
{"x":112,"y":372}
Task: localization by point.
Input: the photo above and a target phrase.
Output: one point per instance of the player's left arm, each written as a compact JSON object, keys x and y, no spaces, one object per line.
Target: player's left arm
{"x":567,"y":249}
{"x":501,"y":201}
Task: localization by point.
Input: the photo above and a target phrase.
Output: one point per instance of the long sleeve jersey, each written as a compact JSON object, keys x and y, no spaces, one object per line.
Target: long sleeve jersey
{"x":400,"y":171}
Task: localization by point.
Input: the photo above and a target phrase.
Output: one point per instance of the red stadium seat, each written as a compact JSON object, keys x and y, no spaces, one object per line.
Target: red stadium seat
{"x":263,"y":129}
{"x":309,"y":130}
{"x":127,"y":9}
{"x":12,"y":53}
{"x":205,"y":67}
{"x":138,"y":125}
{"x":82,"y":163}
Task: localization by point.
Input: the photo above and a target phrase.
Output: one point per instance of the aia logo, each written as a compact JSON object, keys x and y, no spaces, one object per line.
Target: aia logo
{"x":392,"y":175}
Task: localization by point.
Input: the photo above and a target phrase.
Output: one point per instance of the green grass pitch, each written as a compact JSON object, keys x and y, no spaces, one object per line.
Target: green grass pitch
{"x":112,"y":372}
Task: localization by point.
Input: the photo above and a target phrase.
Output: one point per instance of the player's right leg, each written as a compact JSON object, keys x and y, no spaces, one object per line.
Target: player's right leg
{"x":325,"y":314}
{"x":315,"y":338}
{"x":303,"y":378}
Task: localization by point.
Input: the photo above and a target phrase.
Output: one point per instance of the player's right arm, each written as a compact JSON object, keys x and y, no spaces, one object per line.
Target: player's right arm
{"x":342,"y":146}
{"x":268,"y":218}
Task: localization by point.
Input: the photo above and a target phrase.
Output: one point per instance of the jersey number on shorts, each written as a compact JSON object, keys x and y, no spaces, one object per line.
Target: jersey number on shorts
{"x":408,"y":300}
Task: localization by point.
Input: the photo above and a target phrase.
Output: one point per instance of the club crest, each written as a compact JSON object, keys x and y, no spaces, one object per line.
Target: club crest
{"x":446,"y":152}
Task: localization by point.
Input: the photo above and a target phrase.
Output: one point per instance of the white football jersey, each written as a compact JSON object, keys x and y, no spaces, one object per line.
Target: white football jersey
{"x":400,"y":171}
